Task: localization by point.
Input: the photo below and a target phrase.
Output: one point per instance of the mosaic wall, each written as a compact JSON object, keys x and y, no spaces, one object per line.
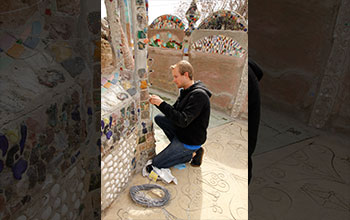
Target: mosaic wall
{"x":192,"y":16}
{"x":49,"y":162}
{"x":117,"y":91}
{"x":167,"y":21}
{"x":219,"y":44}
{"x":127,"y":139}
{"x":116,"y":170}
{"x":126,"y":20}
{"x":224,"y":75}
{"x":118,"y":138}
{"x":165,"y":40}
{"x":223,"y":33}
{"x":220,"y":20}
{"x":146,"y":142}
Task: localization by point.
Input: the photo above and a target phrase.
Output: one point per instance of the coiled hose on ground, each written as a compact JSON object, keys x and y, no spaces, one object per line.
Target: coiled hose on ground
{"x":142,"y":199}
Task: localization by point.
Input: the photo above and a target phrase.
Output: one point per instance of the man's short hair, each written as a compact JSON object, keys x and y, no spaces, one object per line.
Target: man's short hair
{"x":184,"y":66}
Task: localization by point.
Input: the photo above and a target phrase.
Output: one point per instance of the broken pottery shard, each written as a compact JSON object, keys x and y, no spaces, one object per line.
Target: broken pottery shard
{"x":31,"y":42}
{"x":4,"y":144}
{"x":132,"y":91}
{"x":10,"y":159}
{"x":19,"y":168}
{"x":94,"y":22}
{"x":23,"y":137}
{"x":1,"y":165}
{"x":74,"y":66}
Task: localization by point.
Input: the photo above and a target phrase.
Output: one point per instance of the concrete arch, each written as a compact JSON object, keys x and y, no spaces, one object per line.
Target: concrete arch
{"x":224,"y":20}
{"x":231,"y":94}
{"x":238,"y":36}
{"x":219,"y":44}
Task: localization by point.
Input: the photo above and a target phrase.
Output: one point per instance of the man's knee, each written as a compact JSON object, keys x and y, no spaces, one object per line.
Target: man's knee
{"x":157,"y":162}
{"x":159,"y":119}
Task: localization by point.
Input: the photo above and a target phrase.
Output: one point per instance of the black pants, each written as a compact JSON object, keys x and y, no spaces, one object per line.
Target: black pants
{"x":175,"y":153}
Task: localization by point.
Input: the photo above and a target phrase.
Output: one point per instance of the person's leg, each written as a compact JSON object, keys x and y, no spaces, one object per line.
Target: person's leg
{"x":198,"y":157}
{"x":251,"y":149}
{"x":175,"y":153}
{"x":166,"y":125}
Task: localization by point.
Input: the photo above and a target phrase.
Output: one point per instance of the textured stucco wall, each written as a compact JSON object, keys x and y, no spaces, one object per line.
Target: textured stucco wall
{"x":160,"y":59}
{"x":292,"y":41}
{"x":221,"y":74}
{"x":340,"y":116}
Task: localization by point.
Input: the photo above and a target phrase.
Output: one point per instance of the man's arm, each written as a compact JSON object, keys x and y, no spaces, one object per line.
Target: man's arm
{"x":193,"y":108}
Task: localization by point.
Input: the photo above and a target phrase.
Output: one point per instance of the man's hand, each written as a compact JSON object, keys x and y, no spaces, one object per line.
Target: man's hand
{"x":155,"y":100}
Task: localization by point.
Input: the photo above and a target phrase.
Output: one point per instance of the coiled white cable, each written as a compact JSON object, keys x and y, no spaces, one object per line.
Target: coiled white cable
{"x":142,"y":199}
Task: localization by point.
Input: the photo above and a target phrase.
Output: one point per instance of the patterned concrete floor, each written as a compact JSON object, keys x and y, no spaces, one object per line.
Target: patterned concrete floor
{"x":216,"y":190}
{"x":299,"y":172}
{"x":306,"y":180}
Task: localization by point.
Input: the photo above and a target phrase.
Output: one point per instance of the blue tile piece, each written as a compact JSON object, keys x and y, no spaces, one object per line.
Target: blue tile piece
{"x":31,"y":42}
{"x":19,"y":168}
{"x":74,"y":66}
{"x":36,"y":28}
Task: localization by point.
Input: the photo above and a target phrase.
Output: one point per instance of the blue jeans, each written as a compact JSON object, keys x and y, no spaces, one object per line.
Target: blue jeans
{"x":175,"y":153}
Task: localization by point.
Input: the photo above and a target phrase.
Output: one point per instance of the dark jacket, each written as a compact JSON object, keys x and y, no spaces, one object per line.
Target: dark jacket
{"x":253,"y":109}
{"x":254,"y":67}
{"x":254,"y":76}
{"x":190,"y":114}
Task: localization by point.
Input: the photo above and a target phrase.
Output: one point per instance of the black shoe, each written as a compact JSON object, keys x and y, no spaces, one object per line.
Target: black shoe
{"x":197,"y":160}
{"x":149,"y":168}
